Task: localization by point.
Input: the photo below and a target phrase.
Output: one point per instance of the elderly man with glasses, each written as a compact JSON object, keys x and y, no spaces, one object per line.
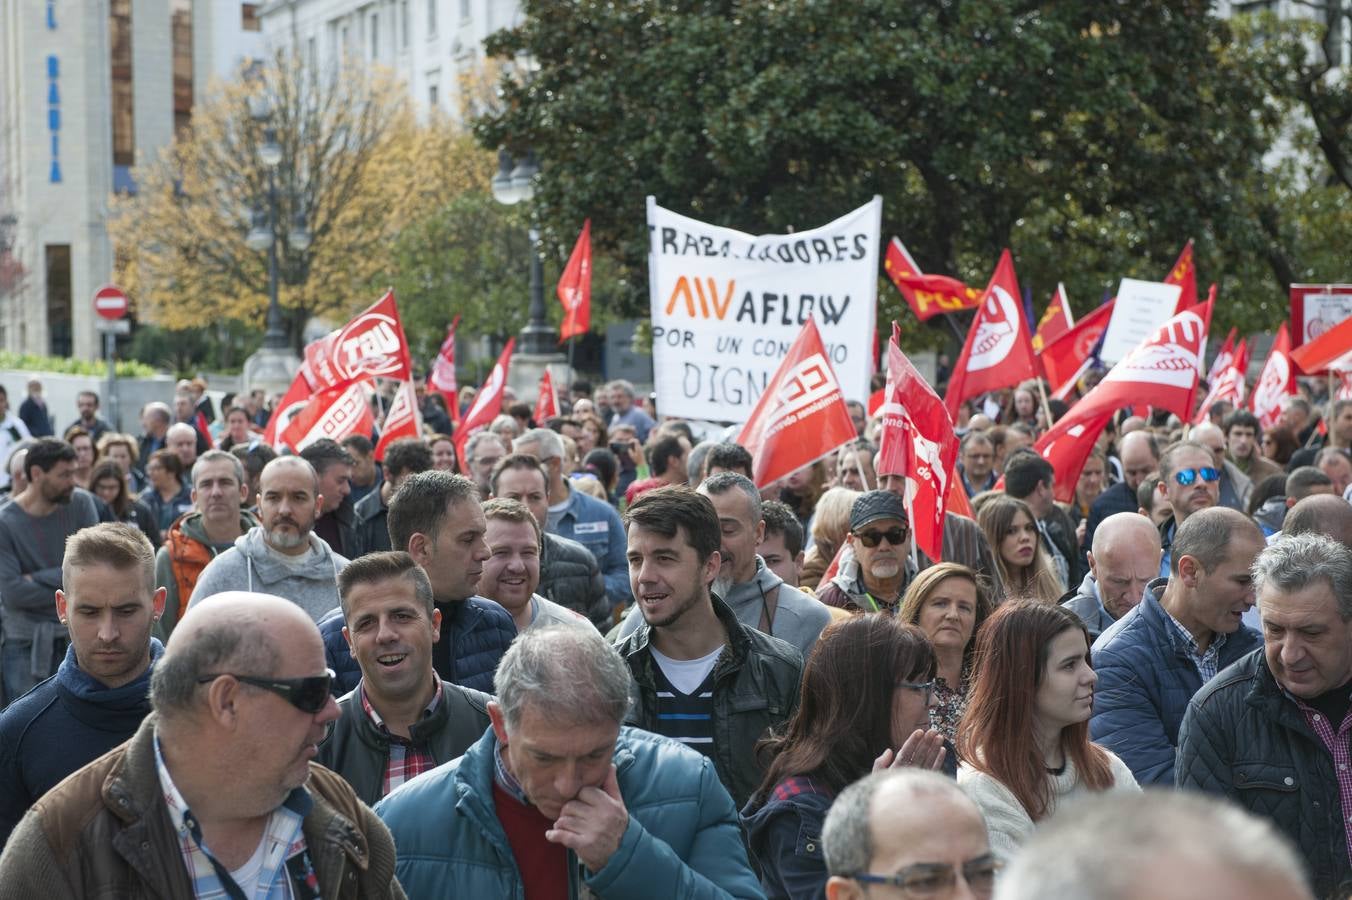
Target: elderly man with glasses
{"x":876,"y":576}
{"x":215,"y":794}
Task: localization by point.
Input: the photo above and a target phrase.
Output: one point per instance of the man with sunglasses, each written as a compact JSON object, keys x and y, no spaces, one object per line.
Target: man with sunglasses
{"x":907,"y":833}
{"x":876,"y":577}
{"x":215,"y":794}
{"x":1191,"y":481}
{"x":1188,"y":627}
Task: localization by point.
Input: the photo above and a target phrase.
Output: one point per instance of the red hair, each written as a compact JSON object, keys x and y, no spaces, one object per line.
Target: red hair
{"x":995,"y":735}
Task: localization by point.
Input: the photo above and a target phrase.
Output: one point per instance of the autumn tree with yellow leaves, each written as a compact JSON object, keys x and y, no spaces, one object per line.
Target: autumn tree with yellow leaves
{"x":355,"y":162}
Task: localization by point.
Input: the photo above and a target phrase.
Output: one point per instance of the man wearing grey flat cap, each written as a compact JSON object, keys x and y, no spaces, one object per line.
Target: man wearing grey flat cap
{"x":881,"y":568}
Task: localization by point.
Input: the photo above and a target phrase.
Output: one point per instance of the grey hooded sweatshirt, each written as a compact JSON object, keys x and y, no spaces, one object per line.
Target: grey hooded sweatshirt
{"x":309,"y":580}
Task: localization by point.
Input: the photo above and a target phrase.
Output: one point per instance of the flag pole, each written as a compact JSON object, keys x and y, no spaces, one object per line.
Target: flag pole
{"x":1046,"y":407}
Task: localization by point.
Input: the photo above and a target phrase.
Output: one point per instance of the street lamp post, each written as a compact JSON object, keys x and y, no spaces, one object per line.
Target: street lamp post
{"x":263,"y":235}
{"x":514,"y":183}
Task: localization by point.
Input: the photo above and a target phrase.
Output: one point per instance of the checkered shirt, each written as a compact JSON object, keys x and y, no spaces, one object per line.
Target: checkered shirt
{"x":1337,"y":745}
{"x":406,"y":759}
{"x":283,"y":838}
{"x":1207,"y":662}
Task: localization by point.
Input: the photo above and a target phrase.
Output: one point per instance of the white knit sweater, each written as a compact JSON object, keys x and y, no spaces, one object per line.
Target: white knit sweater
{"x":1007,"y":821}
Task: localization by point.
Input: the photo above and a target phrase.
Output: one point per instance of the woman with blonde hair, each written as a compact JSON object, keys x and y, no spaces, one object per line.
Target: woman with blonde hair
{"x":948,"y":601}
{"x":1024,"y":565}
{"x":830,"y":524}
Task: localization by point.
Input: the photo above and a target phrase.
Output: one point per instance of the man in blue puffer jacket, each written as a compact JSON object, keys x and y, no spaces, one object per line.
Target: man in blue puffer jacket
{"x":556,"y":793}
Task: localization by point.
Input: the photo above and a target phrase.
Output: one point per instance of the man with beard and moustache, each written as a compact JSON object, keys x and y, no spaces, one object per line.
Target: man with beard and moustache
{"x":881,"y":569}
{"x":33,"y":532}
{"x":1190,"y":479}
{"x":101,"y":691}
{"x":701,"y":677}
{"x":281,"y":555}
{"x":216,"y":794}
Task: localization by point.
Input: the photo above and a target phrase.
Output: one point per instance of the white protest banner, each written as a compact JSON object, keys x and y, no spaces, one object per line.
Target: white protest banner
{"x":1141,"y":308}
{"x":1315,"y":308}
{"x":726,"y":307}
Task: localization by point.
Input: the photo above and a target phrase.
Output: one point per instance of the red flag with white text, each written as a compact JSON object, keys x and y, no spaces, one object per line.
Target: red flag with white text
{"x":1165,"y":368}
{"x":487,"y":403}
{"x":402,"y":421}
{"x":574,"y":289}
{"x":998,"y":352}
{"x":371,"y":345}
{"x":334,"y":413}
{"x":917,"y":440}
{"x":928,"y":295}
{"x":801,"y":416}
{"x":546,"y":400}
{"x":1184,"y":274}
{"x":1276,"y":383}
{"x":442,"y":377}
{"x":1055,"y":322}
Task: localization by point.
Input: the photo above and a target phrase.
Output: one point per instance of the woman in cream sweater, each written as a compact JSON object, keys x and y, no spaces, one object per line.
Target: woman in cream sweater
{"x":1024,"y":739}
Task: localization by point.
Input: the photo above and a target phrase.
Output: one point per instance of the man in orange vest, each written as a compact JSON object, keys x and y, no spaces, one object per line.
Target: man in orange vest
{"x":218,"y":517}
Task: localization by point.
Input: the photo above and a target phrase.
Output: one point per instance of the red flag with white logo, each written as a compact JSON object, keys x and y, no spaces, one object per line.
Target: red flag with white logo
{"x":917,"y":440}
{"x":371,"y":345}
{"x":546,"y":400}
{"x":1224,"y":357}
{"x":801,"y":417}
{"x":402,"y":421}
{"x":574,"y":289}
{"x":334,"y":413}
{"x":296,"y":398}
{"x":1165,"y":368}
{"x":1228,"y":385}
{"x":1276,"y":383}
{"x":442,"y":377}
{"x":488,"y":402}
{"x":1184,"y":274}
{"x":928,"y":295}
{"x":1055,"y":322}
{"x":998,"y":352}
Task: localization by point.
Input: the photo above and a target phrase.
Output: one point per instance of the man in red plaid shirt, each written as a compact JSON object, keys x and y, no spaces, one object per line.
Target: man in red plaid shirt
{"x":401,"y":720}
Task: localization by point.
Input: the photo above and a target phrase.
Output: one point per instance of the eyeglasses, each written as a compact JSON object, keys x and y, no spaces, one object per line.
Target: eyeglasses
{"x":1186,"y":477}
{"x":871,"y":539}
{"x":925,"y":687}
{"x":938,"y":879}
{"x":309,"y":694}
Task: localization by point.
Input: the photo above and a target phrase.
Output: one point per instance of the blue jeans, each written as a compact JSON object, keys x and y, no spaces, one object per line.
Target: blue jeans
{"x":16,"y":667}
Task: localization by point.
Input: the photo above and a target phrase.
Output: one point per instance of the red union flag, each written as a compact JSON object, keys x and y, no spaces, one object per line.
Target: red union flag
{"x":1343,"y":391}
{"x":575,"y":287}
{"x":1224,"y":357}
{"x":1063,"y":358}
{"x":546,"y":400}
{"x":1276,"y":383}
{"x":1331,"y":350}
{"x":1184,"y":274}
{"x":442,"y":377}
{"x":917,"y":441}
{"x":801,"y":417}
{"x":334,"y":413}
{"x":928,"y":295}
{"x":1055,"y":322}
{"x":1164,"y":368}
{"x":293,"y":401}
{"x":1227,"y":386}
{"x":370,"y":345}
{"x":998,"y":352}
{"x":488,"y":403}
{"x":402,"y":421}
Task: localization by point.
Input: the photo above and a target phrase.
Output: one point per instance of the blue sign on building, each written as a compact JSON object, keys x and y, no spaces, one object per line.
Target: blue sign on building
{"x":54,"y":100}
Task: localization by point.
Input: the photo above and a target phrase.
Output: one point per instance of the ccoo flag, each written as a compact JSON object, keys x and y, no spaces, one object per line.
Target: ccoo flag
{"x":998,"y":352}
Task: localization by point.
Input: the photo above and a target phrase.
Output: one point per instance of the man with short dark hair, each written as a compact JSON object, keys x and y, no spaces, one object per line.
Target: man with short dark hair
{"x":435,"y":517}
{"x":1139,"y":453}
{"x":1191,"y":481}
{"x":100,"y":692}
{"x":333,"y":467}
{"x":1243,"y":439}
{"x":402,"y":719}
{"x":854,"y":467}
{"x":370,"y":523}
{"x":729,"y":457}
{"x":215,"y":794}
{"x":666,"y":462}
{"x":782,"y":545}
{"x":512,"y":571}
{"x":33,"y":532}
{"x":87,"y":405}
{"x":976,"y":463}
{"x":701,"y":677}
{"x":1151,"y":661}
{"x":366,"y":475}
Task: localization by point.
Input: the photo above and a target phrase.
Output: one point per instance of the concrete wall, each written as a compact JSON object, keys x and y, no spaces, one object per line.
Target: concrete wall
{"x":132,"y":394}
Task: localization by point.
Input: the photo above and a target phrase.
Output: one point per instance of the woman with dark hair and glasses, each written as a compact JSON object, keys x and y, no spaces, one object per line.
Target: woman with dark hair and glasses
{"x":1024,"y":740}
{"x":109,"y":484}
{"x":864,"y":706}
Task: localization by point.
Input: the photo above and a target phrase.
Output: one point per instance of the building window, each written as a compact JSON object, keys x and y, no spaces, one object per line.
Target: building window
{"x":249,"y":14}
{"x":57,"y":260}
{"x":488,"y":16}
{"x":464,"y":9}
{"x":403,"y":24}
{"x":375,"y":36}
{"x":432,"y":95}
{"x":181,"y":29}
{"x":311,"y":52}
{"x":431,"y":18}
{"x":124,"y":122}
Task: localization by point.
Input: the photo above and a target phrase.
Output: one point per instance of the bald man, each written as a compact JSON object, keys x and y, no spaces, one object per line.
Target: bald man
{"x":1124,"y":559}
{"x":281,"y":555}
{"x":905,"y":823}
{"x":1321,"y":514}
{"x":174,"y":812}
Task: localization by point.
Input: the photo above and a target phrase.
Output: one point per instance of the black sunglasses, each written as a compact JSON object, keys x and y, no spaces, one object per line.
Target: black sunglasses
{"x":871,"y":539}
{"x":309,"y":694}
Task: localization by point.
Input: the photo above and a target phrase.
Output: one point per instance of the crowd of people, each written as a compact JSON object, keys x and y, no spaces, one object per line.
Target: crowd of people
{"x":590,"y":656}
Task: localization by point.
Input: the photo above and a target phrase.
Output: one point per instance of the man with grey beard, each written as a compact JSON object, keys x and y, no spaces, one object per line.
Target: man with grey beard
{"x":282,"y":555}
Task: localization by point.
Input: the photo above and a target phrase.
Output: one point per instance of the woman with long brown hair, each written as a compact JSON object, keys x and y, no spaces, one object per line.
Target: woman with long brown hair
{"x":866,"y":689}
{"x":948,"y":603}
{"x":1023,"y":562}
{"x":1024,"y":740}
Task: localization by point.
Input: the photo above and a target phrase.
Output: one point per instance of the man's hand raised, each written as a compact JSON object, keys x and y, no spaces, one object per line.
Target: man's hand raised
{"x":592,"y":824}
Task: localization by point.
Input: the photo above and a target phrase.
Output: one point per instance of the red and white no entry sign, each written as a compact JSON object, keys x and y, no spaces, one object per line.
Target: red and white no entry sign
{"x":110,"y":302}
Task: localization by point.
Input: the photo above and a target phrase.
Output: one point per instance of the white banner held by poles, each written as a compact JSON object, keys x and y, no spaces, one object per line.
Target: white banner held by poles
{"x":726,"y":307}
